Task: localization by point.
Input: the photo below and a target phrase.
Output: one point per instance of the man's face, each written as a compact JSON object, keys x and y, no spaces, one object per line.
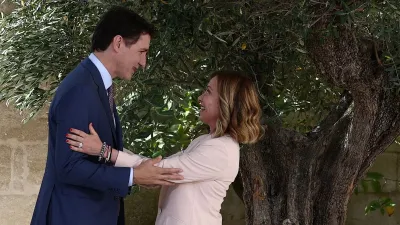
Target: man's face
{"x":132,"y":57}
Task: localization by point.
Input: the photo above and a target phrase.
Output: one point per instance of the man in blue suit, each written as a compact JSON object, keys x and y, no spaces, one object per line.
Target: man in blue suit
{"x":78,"y":189}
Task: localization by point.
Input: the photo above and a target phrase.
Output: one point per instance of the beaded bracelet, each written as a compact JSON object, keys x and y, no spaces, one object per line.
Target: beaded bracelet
{"x":103,"y":148}
{"x":109,"y":151}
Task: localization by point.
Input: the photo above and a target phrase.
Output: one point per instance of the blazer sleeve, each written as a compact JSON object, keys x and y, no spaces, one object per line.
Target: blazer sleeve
{"x":72,"y":111}
{"x":128,"y":159}
{"x":206,"y":162}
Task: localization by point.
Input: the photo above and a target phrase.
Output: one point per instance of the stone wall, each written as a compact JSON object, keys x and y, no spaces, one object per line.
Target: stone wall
{"x":22,"y":160}
{"x":387,"y":164}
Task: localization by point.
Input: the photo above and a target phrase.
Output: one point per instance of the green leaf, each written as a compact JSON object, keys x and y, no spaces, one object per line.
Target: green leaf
{"x":143,"y":134}
{"x":374,"y":175}
{"x":386,"y":202}
{"x":156,"y":154}
{"x":364,"y":185}
{"x":376,"y":186}
{"x":356,"y":191}
{"x":372,"y":206}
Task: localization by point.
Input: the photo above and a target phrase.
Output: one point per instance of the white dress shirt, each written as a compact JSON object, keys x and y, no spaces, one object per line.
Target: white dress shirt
{"x":107,"y":80}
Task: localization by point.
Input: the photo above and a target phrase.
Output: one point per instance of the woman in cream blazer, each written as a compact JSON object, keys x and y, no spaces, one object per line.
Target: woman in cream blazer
{"x":209,"y":166}
{"x":210,"y":163}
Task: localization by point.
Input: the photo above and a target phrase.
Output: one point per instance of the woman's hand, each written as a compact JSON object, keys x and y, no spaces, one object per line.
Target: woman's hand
{"x":80,"y":141}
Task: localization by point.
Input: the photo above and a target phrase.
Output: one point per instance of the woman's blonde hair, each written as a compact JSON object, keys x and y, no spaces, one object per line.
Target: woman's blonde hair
{"x":240,"y":110}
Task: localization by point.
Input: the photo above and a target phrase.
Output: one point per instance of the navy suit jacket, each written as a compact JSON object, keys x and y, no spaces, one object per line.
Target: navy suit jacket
{"x":76,"y":188}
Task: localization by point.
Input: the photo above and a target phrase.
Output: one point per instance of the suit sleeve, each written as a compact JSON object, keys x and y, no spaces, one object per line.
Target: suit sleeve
{"x":206,"y":162}
{"x":73,"y":167}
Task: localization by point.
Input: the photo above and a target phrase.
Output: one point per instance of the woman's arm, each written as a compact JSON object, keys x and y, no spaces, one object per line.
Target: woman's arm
{"x":206,"y":162}
{"x":125,"y":159}
{"x":119,"y":158}
{"x":91,"y":144}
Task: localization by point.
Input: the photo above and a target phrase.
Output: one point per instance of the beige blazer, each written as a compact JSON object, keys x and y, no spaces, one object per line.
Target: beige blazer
{"x":209,"y":166}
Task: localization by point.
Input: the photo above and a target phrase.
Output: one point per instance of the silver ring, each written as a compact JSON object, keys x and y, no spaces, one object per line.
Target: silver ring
{"x":80,"y":145}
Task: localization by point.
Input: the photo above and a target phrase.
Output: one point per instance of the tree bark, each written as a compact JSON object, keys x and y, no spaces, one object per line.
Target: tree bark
{"x":289,"y":178}
{"x":307,"y":179}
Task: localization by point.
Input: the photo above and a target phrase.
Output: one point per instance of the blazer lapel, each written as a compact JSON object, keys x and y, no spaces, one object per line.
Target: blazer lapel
{"x":88,"y":64}
{"x":119,"y":130}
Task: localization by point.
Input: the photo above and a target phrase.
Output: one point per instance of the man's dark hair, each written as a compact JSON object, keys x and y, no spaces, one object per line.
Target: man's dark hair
{"x":119,"y":21}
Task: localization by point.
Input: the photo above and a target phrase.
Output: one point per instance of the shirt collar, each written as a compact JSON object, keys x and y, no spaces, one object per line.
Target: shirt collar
{"x":105,"y":75}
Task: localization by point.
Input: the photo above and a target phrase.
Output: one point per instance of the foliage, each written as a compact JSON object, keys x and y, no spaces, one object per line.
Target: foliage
{"x":158,"y":123}
{"x":381,"y":204}
{"x":157,"y":117}
{"x":40,"y":43}
{"x":194,"y":39}
{"x":376,"y":182}
{"x":156,"y":120}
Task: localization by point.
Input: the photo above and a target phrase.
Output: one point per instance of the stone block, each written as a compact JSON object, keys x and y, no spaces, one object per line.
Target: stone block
{"x":393,"y":148}
{"x":9,"y":119}
{"x":36,"y":162}
{"x":11,"y":125}
{"x":5,"y":168}
{"x":398,"y":173}
{"x":386,"y":164}
{"x":390,"y":186}
{"x":16,"y":209}
{"x":34,"y":130}
{"x":19,"y":169}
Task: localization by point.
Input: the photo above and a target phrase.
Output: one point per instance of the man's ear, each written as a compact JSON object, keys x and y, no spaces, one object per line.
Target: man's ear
{"x":116,"y":43}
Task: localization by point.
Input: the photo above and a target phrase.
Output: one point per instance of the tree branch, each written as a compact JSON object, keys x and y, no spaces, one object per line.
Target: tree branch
{"x":385,"y":129}
{"x":345,"y":61}
{"x":334,"y":115}
{"x":373,"y":124}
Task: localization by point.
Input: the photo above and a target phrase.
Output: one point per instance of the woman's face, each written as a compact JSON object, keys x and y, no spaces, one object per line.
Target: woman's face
{"x":209,"y":103}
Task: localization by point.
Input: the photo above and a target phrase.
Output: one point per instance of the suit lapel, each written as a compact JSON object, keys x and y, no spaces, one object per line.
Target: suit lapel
{"x":88,"y":64}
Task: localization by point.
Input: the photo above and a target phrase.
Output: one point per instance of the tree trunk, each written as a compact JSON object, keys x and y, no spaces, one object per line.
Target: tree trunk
{"x":295,"y":179}
{"x":290,"y":178}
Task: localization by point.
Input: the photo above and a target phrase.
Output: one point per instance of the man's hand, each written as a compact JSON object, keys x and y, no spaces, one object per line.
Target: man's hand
{"x":149,"y":174}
